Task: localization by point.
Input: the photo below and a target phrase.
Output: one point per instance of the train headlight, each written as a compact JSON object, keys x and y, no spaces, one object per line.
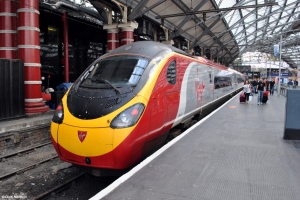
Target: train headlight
{"x":128,"y":117}
{"x":59,"y":114}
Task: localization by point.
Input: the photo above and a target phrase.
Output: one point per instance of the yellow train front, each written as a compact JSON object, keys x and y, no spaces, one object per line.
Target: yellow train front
{"x":102,"y":121}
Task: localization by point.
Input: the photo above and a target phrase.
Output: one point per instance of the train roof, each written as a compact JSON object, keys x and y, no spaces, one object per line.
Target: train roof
{"x":149,"y":48}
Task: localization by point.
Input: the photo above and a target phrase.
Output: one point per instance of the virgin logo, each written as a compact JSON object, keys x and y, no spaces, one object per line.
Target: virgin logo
{"x":82,"y":135}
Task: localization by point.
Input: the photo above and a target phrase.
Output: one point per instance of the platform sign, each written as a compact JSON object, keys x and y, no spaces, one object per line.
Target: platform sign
{"x":282,"y":74}
{"x":276,"y":50}
{"x":256,"y":74}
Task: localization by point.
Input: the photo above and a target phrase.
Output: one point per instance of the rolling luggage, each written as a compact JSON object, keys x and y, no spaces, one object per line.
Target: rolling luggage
{"x":264,"y":99}
{"x":242,"y":98}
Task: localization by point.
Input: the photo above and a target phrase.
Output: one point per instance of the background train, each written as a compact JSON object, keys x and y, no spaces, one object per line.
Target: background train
{"x":128,"y":102}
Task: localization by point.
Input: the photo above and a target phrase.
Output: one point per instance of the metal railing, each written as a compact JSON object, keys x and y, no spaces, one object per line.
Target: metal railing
{"x":284,"y":88}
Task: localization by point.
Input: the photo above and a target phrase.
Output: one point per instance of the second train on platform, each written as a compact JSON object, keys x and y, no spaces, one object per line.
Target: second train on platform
{"x":124,"y":105}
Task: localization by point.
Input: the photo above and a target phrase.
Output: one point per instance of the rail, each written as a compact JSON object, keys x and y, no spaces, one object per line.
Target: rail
{"x":284,"y":88}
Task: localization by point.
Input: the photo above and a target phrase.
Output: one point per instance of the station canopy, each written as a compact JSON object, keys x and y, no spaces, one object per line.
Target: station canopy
{"x":224,"y":28}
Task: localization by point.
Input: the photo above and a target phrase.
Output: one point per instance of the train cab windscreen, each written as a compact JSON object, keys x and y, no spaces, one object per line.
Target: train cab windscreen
{"x":115,"y":70}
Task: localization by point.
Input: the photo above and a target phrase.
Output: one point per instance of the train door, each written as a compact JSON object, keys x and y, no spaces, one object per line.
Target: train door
{"x":172,"y":91}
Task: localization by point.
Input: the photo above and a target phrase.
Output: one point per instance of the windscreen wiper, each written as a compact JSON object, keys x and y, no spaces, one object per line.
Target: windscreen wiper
{"x":100,"y":80}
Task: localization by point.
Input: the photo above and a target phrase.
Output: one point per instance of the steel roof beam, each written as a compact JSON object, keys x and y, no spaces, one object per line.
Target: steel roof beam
{"x":255,"y":21}
{"x":216,"y":10}
{"x":140,"y":6}
{"x":138,"y":13}
{"x":186,"y":19}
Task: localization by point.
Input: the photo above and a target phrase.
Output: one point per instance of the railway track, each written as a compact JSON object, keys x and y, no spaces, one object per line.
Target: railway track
{"x":60,"y":188}
{"x":5,"y":176}
{"x":27,"y":150}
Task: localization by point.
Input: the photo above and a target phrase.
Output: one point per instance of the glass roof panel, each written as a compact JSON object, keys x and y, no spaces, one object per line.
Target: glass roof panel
{"x":290,"y":1}
{"x":276,"y":16}
{"x":250,"y":30}
{"x":218,"y":1}
{"x":227,"y":3}
{"x":250,"y":38}
{"x":250,"y":19}
{"x":246,"y":11}
{"x":247,"y":3}
{"x":261,"y":24}
{"x":234,"y":18}
{"x":284,"y":14}
{"x":239,"y":29}
{"x":272,"y":19}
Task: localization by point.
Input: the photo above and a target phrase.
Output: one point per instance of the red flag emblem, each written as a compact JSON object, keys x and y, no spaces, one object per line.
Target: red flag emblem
{"x":82,"y":135}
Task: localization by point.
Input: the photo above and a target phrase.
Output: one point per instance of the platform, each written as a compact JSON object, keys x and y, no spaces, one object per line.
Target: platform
{"x":237,"y":152}
{"x":21,"y":133}
{"x":30,"y":120}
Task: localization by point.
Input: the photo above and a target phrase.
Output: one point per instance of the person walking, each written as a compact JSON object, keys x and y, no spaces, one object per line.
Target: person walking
{"x":267,"y":85}
{"x":254,"y":85}
{"x":260,"y":91}
{"x":247,"y":90}
{"x":272,"y":84}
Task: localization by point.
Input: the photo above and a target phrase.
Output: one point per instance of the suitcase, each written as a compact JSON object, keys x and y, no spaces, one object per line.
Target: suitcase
{"x":266,"y":93}
{"x":242,"y":98}
{"x":264,"y":99}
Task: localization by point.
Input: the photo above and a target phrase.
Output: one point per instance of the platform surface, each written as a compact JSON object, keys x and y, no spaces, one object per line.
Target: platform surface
{"x":26,"y":122}
{"x":238,"y":152}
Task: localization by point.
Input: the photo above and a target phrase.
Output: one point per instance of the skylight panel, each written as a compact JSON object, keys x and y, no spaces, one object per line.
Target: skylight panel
{"x":281,"y":3}
{"x":249,"y":20}
{"x":277,"y":29}
{"x":238,"y":30}
{"x":258,"y":33}
{"x":272,"y":19}
{"x":276,"y":16}
{"x":262,"y":11}
{"x":261,"y":1}
{"x":250,"y":38}
{"x":236,"y":17}
{"x":218,"y":1}
{"x":290,"y":1}
{"x":284,"y":14}
{"x":240,"y":40}
{"x":250,"y":30}
{"x":261,"y":24}
{"x":227,"y":3}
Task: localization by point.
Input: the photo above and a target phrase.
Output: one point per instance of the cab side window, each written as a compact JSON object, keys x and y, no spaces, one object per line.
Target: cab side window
{"x":171,"y":73}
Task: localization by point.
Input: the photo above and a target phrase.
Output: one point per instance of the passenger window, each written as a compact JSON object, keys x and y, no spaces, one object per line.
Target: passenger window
{"x":171,"y":73}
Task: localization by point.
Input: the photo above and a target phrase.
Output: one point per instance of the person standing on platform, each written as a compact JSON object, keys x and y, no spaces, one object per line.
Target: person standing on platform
{"x":260,"y":91}
{"x":290,"y":83}
{"x":272,"y":83}
{"x":247,"y":90}
{"x":267,"y":85}
{"x":295,"y":83}
{"x":254,"y":85}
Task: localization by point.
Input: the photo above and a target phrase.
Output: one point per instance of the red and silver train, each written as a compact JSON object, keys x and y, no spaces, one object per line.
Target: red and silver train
{"x":124,"y":105}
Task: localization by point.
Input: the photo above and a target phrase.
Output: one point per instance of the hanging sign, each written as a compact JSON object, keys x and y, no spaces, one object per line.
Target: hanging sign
{"x":276,"y":50}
